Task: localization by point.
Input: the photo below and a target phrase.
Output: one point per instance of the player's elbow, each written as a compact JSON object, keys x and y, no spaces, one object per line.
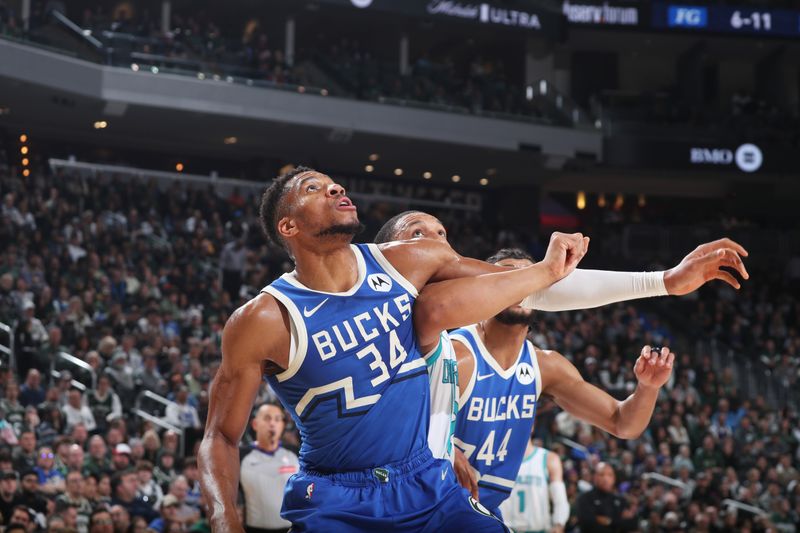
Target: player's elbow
{"x":626,"y":432}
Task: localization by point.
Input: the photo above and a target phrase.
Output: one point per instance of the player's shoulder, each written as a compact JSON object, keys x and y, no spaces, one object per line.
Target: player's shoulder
{"x":262,"y":310}
{"x":261,"y":322}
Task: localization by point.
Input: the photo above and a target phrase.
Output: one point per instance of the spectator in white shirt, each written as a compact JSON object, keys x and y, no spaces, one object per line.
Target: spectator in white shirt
{"x":180,"y":413}
{"x":75,"y":412}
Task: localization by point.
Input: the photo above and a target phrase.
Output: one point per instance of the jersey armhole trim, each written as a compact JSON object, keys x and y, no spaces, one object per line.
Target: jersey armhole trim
{"x":544,"y":465}
{"x":462,"y":399}
{"x":432,"y":356}
{"x":299,"y":335}
{"x":391,"y":270}
{"x":536,"y":373}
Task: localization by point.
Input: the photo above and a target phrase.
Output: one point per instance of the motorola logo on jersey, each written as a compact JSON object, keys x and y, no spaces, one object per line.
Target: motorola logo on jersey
{"x":525,"y":373}
{"x":361,"y":4}
{"x":379,"y":282}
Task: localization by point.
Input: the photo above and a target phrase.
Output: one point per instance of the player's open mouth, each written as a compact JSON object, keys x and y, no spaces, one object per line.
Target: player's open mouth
{"x":345,"y":204}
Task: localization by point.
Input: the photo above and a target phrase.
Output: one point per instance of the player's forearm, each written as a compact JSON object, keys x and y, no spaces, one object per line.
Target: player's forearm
{"x":633,"y":414}
{"x":219,"y":468}
{"x":558,"y":493}
{"x":584,"y":289}
{"x":459,"y":302}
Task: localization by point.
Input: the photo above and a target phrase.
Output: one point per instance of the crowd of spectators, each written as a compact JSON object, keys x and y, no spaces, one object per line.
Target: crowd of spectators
{"x":138,"y":281}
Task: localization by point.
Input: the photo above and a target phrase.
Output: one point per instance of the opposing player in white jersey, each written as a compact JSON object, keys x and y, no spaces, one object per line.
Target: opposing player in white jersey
{"x":540,"y":480}
{"x":582,"y":289}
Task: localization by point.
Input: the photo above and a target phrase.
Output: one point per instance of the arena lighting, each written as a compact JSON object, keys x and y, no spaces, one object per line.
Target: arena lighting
{"x":398,"y":172}
{"x":26,"y":172}
{"x":154,"y":70}
{"x":301,"y":89}
{"x":641,"y":200}
{"x":456,"y":178}
{"x":581,"y":200}
{"x":369,"y":168}
{"x":427,"y":175}
{"x":324,"y":92}
{"x":179,"y":167}
{"x":25,"y":161}
{"x":23,"y":150}
{"x":601,"y":200}
{"x":100,"y":125}
{"x":484,"y":181}
{"x":134,"y":67}
{"x":230,"y":140}
{"x":374,"y":157}
{"x":23,"y":138}
{"x":619,"y":201}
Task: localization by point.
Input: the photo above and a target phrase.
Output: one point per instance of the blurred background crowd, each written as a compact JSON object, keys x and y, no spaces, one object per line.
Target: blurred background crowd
{"x":123,"y":251}
{"x":137,"y":282}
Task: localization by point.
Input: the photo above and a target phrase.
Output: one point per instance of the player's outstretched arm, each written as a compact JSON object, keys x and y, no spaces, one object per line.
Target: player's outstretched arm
{"x":423,"y":261}
{"x":462,"y":301}
{"x":584,"y":289}
{"x":245,"y":341}
{"x":625,"y":419}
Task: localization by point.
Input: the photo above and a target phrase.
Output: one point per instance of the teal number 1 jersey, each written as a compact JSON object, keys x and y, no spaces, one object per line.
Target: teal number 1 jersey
{"x":443,"y":374}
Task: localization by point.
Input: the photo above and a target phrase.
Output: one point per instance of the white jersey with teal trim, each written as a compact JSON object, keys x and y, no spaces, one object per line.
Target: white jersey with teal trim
{"x":528,"y":507}
{"x":443,"y":374}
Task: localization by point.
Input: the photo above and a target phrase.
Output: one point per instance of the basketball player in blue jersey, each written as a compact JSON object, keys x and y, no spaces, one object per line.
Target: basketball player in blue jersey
{"x":454,"y":302}
{"x":335,"y":340}
{"x":502,"y":378}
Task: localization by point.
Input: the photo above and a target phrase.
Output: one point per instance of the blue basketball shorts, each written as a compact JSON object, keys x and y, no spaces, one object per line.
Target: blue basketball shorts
{"x":419,"y":494}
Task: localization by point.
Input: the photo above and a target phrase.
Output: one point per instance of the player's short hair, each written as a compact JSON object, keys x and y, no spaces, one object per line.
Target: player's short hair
{"x":510,"y":253}
{"x":388,"y":231}
{"x":272,"y":207}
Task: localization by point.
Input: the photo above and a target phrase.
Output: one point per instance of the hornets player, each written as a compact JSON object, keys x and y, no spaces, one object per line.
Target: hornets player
{"x":502,"y":377}
{"x":335,"y":340}
{"x":580,"y":290}
{"x":540,"y":480}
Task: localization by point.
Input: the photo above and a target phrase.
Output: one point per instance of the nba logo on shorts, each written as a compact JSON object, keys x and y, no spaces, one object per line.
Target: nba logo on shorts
{"x":309,"y":491}
{"x":379,"y":282}
{"x":525,"y":373}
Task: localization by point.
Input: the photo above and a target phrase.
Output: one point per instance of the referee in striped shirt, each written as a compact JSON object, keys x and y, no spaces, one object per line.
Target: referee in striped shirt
{"x":265,"y":471}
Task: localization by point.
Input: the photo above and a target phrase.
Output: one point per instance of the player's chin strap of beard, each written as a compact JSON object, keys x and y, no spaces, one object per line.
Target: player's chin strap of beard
{"x":584,"y":289}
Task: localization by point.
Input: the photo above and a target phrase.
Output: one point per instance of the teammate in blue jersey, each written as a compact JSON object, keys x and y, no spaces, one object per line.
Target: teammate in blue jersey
{"x":336,"y":342}
{"x":502,"y":377}
{"x":579,"y":290}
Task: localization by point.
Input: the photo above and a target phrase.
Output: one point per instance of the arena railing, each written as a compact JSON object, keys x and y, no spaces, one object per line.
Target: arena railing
{"x":55,"y":374}
{"x":7,"y":348}
{"x":158,"y":420}
{"x":655,"y":476}
{"x":78,"y":367}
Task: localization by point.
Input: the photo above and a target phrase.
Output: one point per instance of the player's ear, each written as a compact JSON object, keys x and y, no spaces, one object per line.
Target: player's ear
{"x":287,"y":227}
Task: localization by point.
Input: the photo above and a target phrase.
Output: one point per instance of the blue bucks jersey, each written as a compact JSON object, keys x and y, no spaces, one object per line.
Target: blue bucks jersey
{"x":355,"y":384}
{"x":495,"y":416}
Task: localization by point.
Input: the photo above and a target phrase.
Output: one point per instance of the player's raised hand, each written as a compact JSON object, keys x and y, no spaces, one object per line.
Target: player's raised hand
{"x":564,"y":253}
{"x":705,"y":263}
{"x":653,"y":368}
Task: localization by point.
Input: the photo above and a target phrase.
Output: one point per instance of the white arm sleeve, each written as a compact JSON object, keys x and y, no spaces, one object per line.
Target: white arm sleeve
{"x":584,"y":289}
{"x":558,"y":493}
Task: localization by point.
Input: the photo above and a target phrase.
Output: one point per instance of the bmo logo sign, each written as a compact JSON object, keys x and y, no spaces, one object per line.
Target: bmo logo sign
{"x":748,"y":157}
{"x":687,"y":17}
{"x":361,"y":3}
